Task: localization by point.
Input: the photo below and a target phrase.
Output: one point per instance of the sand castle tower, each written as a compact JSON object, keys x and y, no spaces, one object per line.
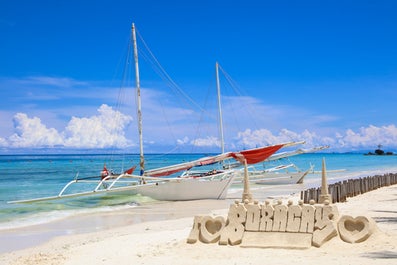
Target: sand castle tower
{"x":246,"y":192}
{"x":324,"y":186}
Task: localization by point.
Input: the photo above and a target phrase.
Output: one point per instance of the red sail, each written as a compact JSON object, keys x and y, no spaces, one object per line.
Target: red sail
{"x":257,"y":155}
{"x":104,"y":172}
{"x":129,"y":171}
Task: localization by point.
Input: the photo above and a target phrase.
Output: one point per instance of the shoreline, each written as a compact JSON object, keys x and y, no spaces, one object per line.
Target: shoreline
{"x":164,"y":241}
{"x":20,"y":238}
{"x":84,"y":223}
{"x":26,"y":236}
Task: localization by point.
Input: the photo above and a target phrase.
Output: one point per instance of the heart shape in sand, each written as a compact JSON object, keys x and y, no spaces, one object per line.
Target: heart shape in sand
{"x":354,"y":230}
{"x":211,"y":228}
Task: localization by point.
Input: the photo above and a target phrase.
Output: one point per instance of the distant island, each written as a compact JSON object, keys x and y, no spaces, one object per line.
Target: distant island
{"x":379,"y":152}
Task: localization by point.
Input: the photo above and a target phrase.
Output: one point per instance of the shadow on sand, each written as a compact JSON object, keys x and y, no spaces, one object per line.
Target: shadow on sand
{"x":381,"y":255}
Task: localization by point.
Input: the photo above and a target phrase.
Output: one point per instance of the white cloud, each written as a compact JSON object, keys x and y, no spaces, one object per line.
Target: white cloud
{"x":209,"y":141}
{"x":53,"y":81}
{"x":103,"y":130}
{"x":254,"y":138}
{"x":107,"y":129}
{"x":366,"y":137}
{"x":32,"y":133}
{"x":369,"y":136}
{"x":183,"y":141}
{"x":3,"y":142}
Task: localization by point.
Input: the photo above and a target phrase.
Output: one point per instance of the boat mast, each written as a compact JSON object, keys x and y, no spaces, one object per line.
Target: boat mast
{"x":138,"y":94}
{"x":218,"y":87}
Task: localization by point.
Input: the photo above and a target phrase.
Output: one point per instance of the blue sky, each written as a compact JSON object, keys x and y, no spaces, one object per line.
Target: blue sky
{"x":320,"y":71}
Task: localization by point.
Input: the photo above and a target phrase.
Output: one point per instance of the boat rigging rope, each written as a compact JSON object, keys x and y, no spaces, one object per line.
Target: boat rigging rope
{"x":234,"y":86}
{"x":190,"y":104}
{"x":163,"y":74}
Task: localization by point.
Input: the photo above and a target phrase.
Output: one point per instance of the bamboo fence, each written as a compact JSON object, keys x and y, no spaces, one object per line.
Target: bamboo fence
{"x":342,"y":190}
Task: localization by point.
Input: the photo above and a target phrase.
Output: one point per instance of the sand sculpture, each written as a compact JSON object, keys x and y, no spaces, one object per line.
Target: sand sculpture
{"x":251,"y":224}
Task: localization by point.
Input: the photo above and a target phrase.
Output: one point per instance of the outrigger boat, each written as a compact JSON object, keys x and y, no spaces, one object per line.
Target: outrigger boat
{"x":160,"y":183}
{"x":284,"y":174}
{"x":187,"y":186}
{"x":280,"y":174}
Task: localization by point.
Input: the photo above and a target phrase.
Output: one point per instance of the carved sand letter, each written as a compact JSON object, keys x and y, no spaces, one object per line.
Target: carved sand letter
{"x":307,"y":219}
{"x":194,"y":233}
{"x":280,"y":217}
{"x":324,"y":227}
{"x":253,"y":216}
{"x":294,"y":217}
{"x":267,"y":217}
{"x":330,"y":211}
{"x":234,"y":230}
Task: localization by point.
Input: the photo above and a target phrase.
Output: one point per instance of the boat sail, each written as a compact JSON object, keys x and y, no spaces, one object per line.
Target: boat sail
{"x":275,"y":175}
{"x":157,"y":183}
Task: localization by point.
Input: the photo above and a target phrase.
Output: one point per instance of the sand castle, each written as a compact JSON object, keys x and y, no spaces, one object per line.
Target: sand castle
{"x":299,"y":226}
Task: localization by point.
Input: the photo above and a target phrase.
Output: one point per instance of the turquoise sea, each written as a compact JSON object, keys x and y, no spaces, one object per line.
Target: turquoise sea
{"x":32,"y":176}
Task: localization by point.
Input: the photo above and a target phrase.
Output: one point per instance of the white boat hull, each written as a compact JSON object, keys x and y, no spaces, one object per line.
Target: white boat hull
{"x":187,"y":189}
{"x":172,"y":189}
{"x":276,"y":176}
{"x":279,"y":178}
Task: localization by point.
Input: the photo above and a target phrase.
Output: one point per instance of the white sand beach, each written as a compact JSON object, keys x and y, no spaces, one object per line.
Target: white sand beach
{"x":157,"y":233}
